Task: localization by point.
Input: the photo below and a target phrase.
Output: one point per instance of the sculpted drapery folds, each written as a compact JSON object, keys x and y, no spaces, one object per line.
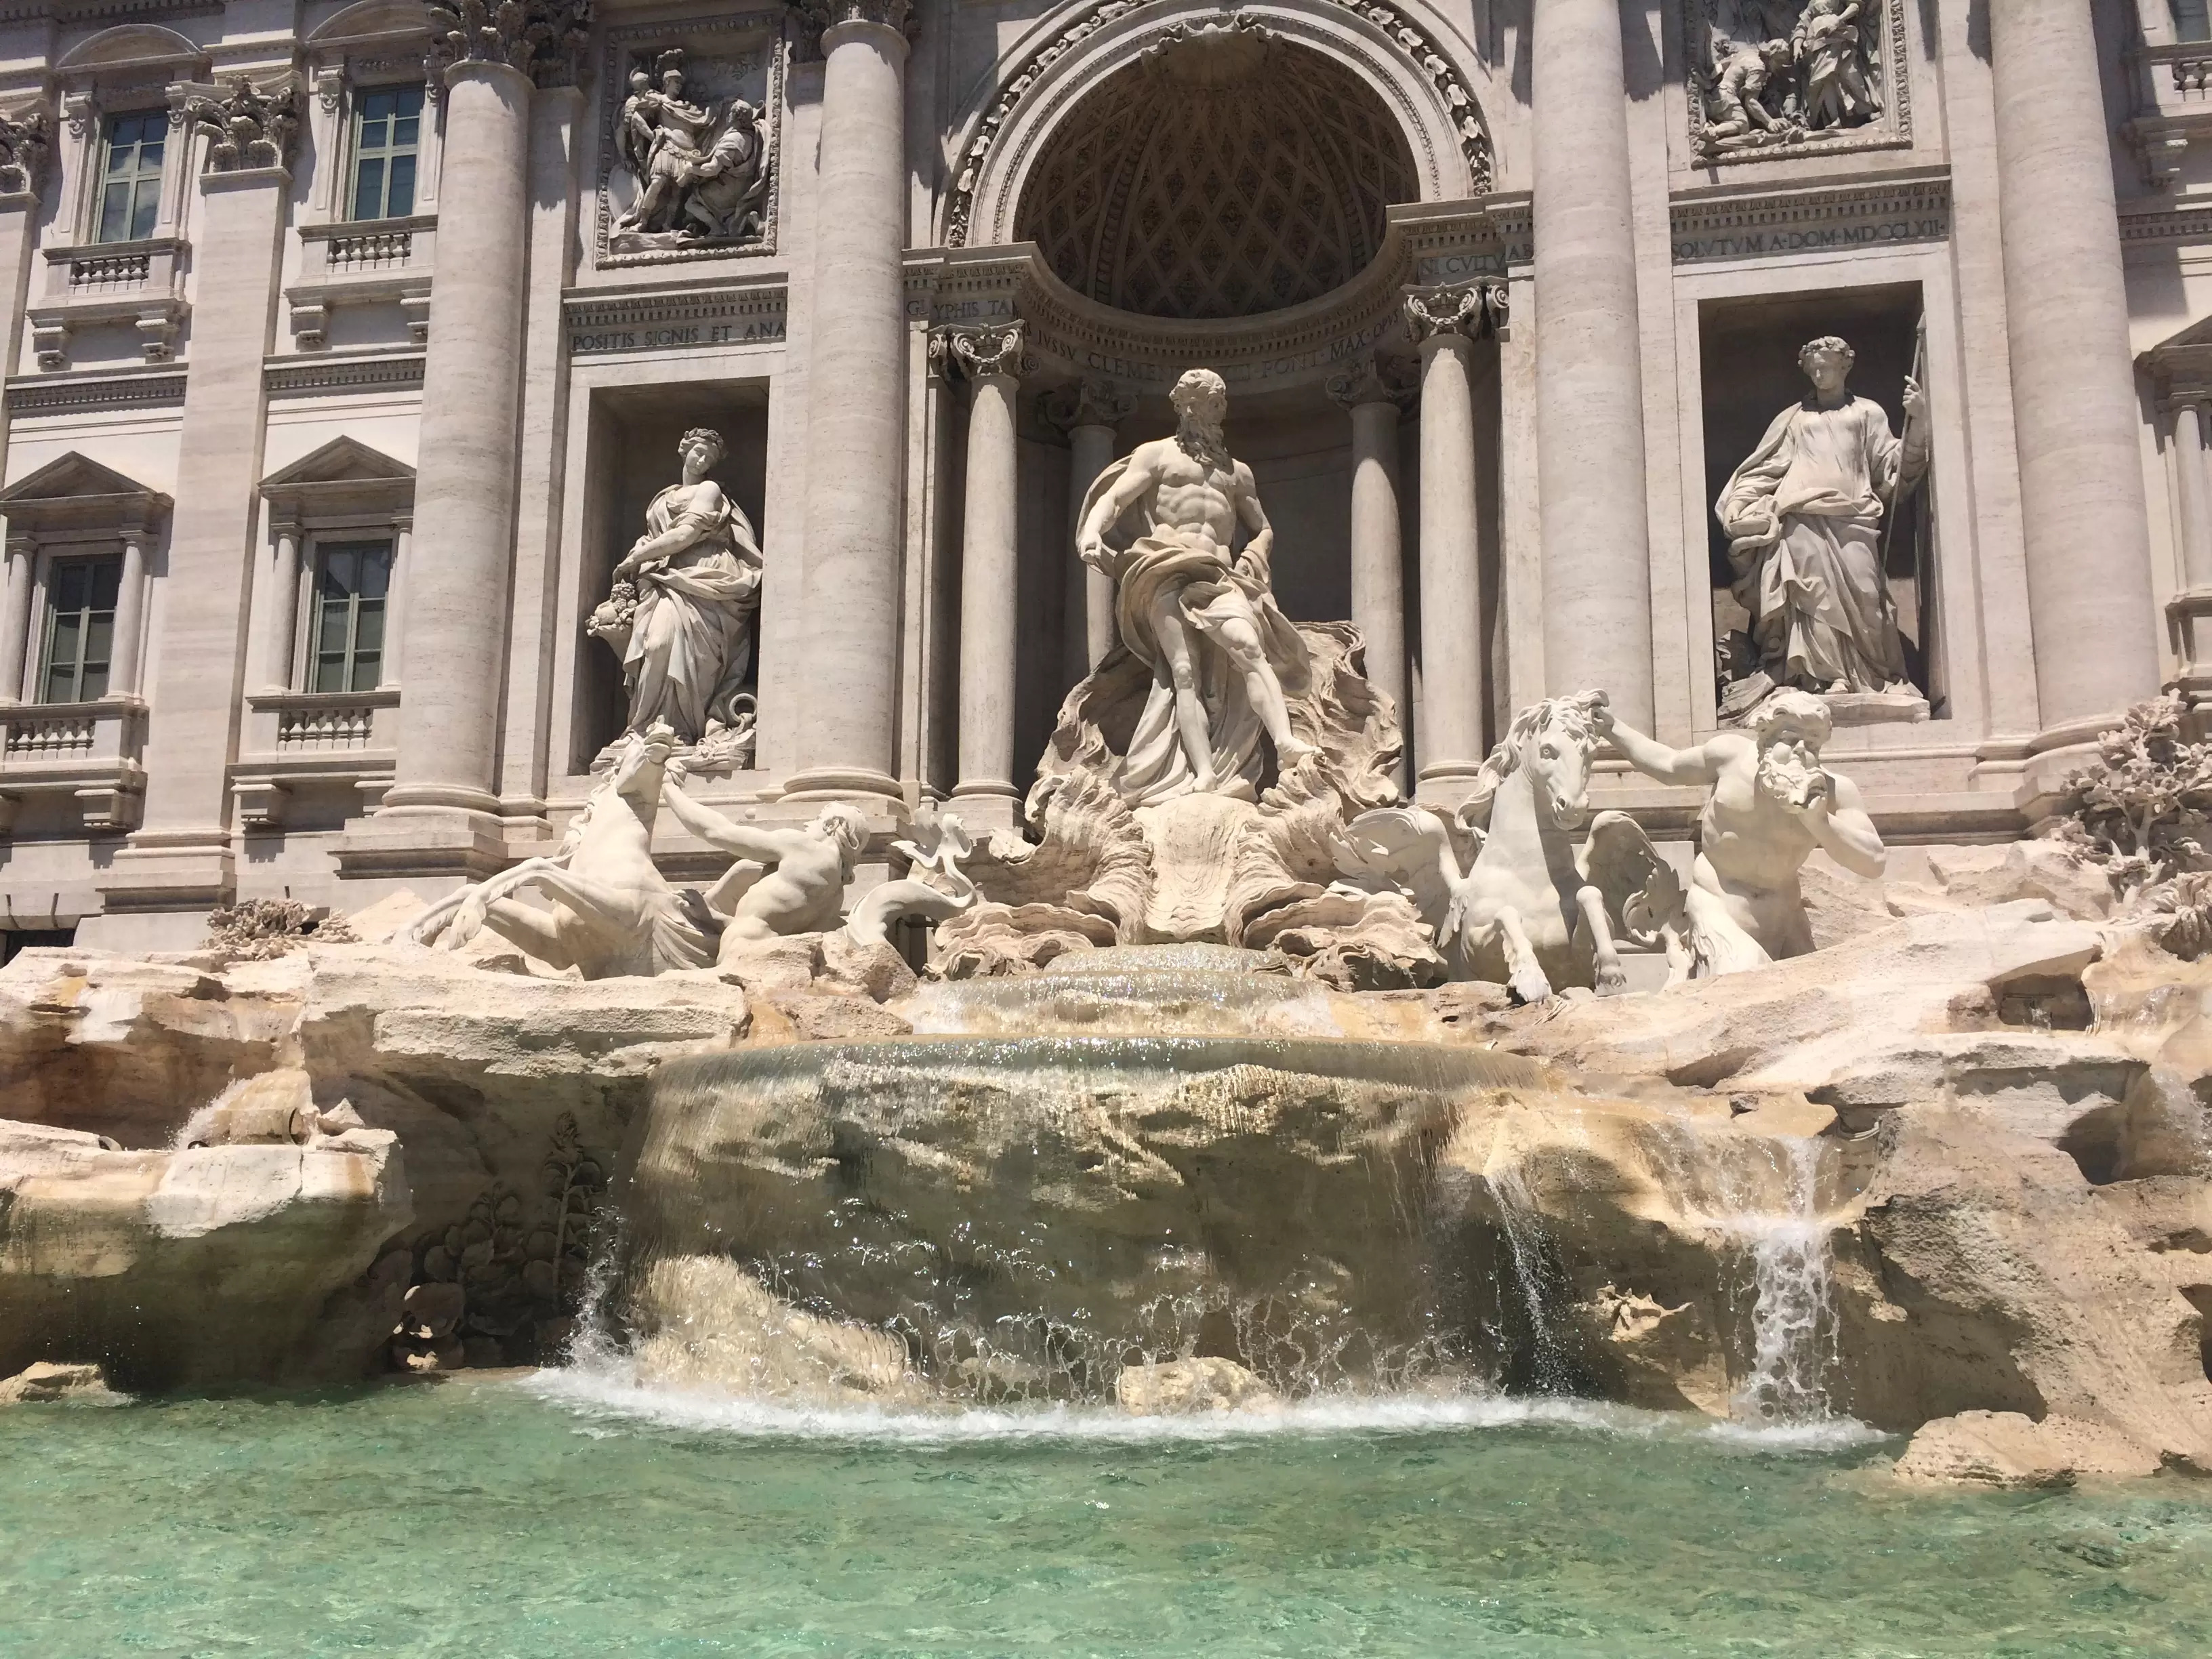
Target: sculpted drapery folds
{"x":681,"y":609}
{"x":700,"y":170}
{"x":1223,"y":657}
{"x":1803,"y":516}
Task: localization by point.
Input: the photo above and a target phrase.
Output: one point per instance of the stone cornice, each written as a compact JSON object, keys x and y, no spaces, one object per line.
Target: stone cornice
{"x":1735,"y":223}
{"x":392,"y":371}
{"x":52,"y":394}
{"x":2164,"y":222}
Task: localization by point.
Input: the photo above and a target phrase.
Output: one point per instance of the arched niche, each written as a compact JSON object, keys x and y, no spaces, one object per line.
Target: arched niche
{"x":1408,"y":62}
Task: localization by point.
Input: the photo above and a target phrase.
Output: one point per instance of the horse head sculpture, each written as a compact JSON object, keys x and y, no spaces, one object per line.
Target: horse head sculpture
{"x":1550,"y":742}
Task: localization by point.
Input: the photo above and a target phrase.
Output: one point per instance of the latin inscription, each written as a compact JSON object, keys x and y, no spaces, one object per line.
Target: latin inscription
{"x":766,"y":331}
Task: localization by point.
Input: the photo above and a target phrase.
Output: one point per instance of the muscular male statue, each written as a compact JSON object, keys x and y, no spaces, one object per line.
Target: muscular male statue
{"x":1771,"y":804}
{"x":788,"y":881}
{"x":1205,"y":622}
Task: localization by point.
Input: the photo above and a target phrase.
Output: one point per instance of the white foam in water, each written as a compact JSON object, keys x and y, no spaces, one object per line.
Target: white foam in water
{"x":1791,"y":1282}
{"x":607,"y":1388}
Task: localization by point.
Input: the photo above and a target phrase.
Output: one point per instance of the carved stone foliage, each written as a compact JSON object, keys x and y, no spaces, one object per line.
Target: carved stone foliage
{"x":544,"y":39}
{"x":1089,"y":402}
{"x":1378,"y":379}
{"x":245,"y":125}
{"x":688,"y":140}
{"x":1474,"y":143}
{"x":817,"y":15}
{"x":976,"y":354}
{"x":1788,"y":78}
{"x":1468,"y":311}
{"x":25,"y":144}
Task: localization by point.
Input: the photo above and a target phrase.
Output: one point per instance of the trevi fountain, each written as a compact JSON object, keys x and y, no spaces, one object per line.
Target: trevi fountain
{"x":888,"y":961}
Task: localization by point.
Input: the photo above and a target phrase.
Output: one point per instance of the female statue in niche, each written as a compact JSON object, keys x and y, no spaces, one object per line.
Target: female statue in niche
{"x":681,"y":609}
{"x":1803,"y":516}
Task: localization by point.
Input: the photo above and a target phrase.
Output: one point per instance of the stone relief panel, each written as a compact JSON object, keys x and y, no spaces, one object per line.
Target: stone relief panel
{"x":691,"y":116}
{"x":1772,"y":78}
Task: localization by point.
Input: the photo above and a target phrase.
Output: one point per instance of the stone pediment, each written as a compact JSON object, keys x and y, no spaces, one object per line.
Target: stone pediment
{"x":345,"y":476}
{"x":131,"y":46}
{"x":76,"y":492}
{"x":2182,"y":363}
{"x":371,"y":20}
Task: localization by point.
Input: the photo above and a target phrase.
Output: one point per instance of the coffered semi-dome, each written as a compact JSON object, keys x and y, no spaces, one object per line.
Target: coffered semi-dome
{"x":1225,"y":173}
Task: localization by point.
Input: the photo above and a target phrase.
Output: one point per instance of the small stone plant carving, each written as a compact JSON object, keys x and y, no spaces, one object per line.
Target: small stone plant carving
{"x":505,"y":1285}
{"x":259,"y":929}
{"x":2141,"y":817}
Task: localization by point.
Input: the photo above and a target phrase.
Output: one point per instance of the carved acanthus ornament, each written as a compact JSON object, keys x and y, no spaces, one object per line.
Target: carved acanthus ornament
{"x":1089,"y":402}
{"x":980,"y":354}
{"x":816,"y":16}
{"x":246,"y":126}
{"x":1378,"y":379}
{"x":1466,"y":118}
{"x":25,"y":144}
{"x":543,"y":39}
{"x":1465,"y":311}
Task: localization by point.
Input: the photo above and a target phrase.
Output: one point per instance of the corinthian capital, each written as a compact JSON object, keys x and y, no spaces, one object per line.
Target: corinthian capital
{"x":1463,"y":311}
{"x":543,"y":39}
{"x":1089,"y":402}
{"x":1377,"y":379}
{"x":979,"y":354}
{"x":816,"y":15}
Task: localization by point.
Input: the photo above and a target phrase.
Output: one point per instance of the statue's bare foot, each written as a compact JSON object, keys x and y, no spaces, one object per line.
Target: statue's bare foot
{"x":1293,"y":749}
{"x":1612,"y":978}
{"x":1202,"y":782}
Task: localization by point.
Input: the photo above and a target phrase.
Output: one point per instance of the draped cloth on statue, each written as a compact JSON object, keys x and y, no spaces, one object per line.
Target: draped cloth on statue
{"x":1803,"y":514}
{"x":1208,"y":593}
{"x":690,"y":643}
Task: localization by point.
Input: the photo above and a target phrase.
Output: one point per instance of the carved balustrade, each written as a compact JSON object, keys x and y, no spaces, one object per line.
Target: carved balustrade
{"x":385,"y":262}
{"x":84,"y":754}
{"x":138,"y":283}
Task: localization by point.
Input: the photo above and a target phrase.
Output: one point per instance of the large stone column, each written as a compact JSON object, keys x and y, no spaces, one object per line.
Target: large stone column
{"x":2075,"y":418}
{"x":1445,"y":323}
{"x":1590,"y":386}
{"x":848,"y":626}
{"x":1088,"y":412}
{"x":1374,"y":395}
{"x":181,"y":859}
{"x":443,"y":793}
{"x":15,"y":617}
{"x":990,"y":360}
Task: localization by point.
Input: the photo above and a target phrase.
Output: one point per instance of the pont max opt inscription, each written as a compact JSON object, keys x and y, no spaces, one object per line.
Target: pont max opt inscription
{"x":585,"y":343}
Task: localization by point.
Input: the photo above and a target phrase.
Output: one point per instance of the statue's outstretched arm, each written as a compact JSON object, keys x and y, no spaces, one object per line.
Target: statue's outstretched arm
{"x":1656,"y":759}
{"x":725,"y":834}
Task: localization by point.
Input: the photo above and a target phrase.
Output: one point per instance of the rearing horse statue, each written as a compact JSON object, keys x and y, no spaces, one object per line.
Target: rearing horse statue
{"x":1531,"y":912}
{"x":613,"y":910}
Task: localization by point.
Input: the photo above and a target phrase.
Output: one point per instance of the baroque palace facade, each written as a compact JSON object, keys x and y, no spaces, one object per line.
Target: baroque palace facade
{"x":362,"y":362}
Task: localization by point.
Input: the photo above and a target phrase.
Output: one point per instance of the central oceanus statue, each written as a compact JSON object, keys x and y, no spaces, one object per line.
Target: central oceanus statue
{"x":1532,"y":911}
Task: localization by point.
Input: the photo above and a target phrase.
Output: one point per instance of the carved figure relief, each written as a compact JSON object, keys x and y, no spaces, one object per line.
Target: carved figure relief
{"x":1770,"y":76}
{"x":691,"y":152}
{"x":681,"y":613}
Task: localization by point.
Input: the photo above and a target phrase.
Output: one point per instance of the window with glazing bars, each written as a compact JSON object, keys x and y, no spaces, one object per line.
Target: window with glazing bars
{"x":346,"y":650}
{"x":388,"y":131}
{"x":2192,"y":19}
{"x":130,"y":175}
{"x":79,"y":631}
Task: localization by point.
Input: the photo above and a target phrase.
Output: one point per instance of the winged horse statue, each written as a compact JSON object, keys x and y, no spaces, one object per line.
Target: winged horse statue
{"x":1532,"y":911}
{"x":611,"y":911}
